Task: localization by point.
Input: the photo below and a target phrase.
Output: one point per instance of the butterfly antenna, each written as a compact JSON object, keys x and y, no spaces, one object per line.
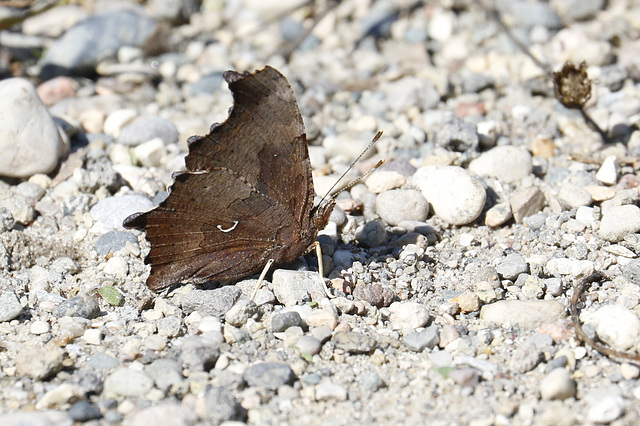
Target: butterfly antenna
{"x":330,"y":191}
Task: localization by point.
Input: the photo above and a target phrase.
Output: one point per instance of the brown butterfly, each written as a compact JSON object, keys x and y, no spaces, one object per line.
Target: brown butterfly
{"x":247,"y":196}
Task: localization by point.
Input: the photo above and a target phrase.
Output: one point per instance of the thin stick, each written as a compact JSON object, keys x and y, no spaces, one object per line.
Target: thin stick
{"x":577,"y":293}
{"x":321,"y":269}
{"x":261,"y":278}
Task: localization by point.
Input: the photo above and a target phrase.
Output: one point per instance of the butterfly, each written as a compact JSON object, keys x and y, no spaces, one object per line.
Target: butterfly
{"x":247,"y":197}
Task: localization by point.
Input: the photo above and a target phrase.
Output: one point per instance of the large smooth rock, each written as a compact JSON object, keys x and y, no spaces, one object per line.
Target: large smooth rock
{"x":30,"y":142}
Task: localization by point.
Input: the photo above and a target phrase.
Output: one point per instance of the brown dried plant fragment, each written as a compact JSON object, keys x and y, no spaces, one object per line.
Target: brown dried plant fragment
{"x":572,"y":85}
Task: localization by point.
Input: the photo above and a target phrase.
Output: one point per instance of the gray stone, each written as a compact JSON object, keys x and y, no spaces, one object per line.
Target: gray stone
{"x":127,"y":382}
{"x":37,"y":418}
{"x":631,"y":271}
{"x":222,"y":406}
{"x":102,"y":361}
{"x":240,"y":313}
{"x":83,"y":411}
{"x":558,"y":384}
{"x":421,"y":340}
{"x":398,"y":205}
{"x":526,"y":202}
{"x":280,"y":322}
{"x":165,"y":373}
{"x":172,"y":414}
{"x":79,"y":306}
{"x":146,"y":128}
{"x":371,"y":234}
{"x":506,"y":163}
{"x":354,"y":343}
{"x":10,"y":306}
{"x":618,"y":221}
{"x":216,"y":302}
{"x":198,"y":353}
{"x":114,"y":241}
{"x":456,"y":197}
{"x":371,"y":381}
{"x":97,"y":37}
{"x":408,"y":315}
{"x":112,"y":211}
{"x":270,"y":375}
{"x":292,"y":287}
{"x":39,"y":362}
{"x":29,"y":138}
{"x":574,"y":196}
{"x":308,"y":345}
{"x":529,"y":314}
{"x":512,"y":266}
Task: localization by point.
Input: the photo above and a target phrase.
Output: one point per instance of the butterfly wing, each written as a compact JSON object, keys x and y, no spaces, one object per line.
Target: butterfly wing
{"x":263,"y":141}
{"x":213,"y":226}
{"x":247,"y":195}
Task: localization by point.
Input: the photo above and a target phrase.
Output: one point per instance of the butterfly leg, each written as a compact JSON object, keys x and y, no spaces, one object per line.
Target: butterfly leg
{"x":261,"y":278}
{"x":316,"y":245}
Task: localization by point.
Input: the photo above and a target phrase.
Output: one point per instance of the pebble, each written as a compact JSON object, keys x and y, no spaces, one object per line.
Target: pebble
{"x":608,"y":172}
{"x":408,"y":315}
{"x":629,"y":371}
{"x":327,"y":391}
{"x":240,"y":313}
{"x":166,"y":373}
{"x":322,"y":318}
{"x":371,"y":381}
{"x":308,"y":345}
{"x":372,"y":234}
{"x":374,"y":294}
{"x":29,"y":137}
{"x":198,"y":353}
{"x":354,"y":343}
{"x":456,"y":197}
{"x":574,"y":196}
{"x":293,"y":287}
{"x":217,"y":406}
{"x":170,"y":414}
{"x":421,"y":340}
{"x":605,"y":405}
{"x":117,"y":120}
{"x":83,"y":411}
{"x":58,"y":396}
{"x":10,"y":306}
{"x":617,"y":325}
{"x":102,"y":361}
{"x":506,"y":163}
{"x":619,"y":221}
{"x":529,"y":314}
{"x":558,"y":384}
{"x":384,"y":180}
{"x":270,"y":375}
{"x":399,"y":205}
{"x":498,"y":215}
{"x":563,"y":266}
{"x":39,"y":361}
{"x":215,"y":303}
{"x":52,"y":23}
{"x":37,"y":418}
{"x":79,"y":306}
{"x":112,"y":211}
{"x":94,"y":38}
{"x":146,"y":129}
{"x":585,"y":215}
{"x":526,"y":202}
{"x":465,"y":377}
{"x":468,"y":301}
{"x":114,"y":241}
{"x":512,"y":266}
{"x":525,"y":358}
{"x":280,"y":322}
{"x":127,"y":382}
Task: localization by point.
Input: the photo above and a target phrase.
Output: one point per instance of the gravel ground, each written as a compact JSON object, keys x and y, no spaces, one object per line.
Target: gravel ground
{"x":453,"y":265}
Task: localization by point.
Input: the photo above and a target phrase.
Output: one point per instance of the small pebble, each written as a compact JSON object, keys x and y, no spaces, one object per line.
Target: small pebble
{"x":619,"y":221}
{"x":270,"y":375}
{"x":558,"y":384}
{"x":327,"y":391}
{"x":421,"y":340}
{"x":506,"y":163}
{"x":526,"y":202}
{"x":10,"y":306}
{"x":410,"y":315}
{"x":127,"y":382}
{"x":529,"y":314}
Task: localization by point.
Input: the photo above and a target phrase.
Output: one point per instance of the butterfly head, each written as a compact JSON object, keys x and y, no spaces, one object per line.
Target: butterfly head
{"x":320,"y":213}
